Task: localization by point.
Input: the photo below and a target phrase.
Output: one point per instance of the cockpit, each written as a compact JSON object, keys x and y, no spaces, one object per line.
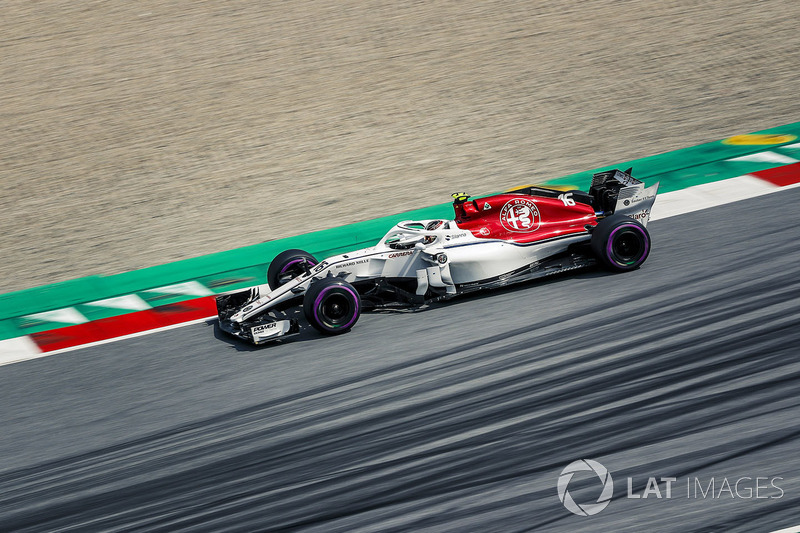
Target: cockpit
{"x":408,"y":234}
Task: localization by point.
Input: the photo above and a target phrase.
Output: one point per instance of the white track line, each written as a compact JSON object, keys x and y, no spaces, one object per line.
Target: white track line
{"x":795,"y":529}
{"x":712,"y":194}
{"x":18,"y":349}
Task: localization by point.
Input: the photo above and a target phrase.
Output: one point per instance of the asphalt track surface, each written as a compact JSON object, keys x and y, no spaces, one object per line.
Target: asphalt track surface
{"x":458,"y":418}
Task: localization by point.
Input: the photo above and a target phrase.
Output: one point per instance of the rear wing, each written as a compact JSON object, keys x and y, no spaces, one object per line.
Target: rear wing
{"x":625,"y":178}
{"x":627,"y":194}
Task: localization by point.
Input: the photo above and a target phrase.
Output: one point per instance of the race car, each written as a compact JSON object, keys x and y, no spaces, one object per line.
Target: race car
{"x":493,"y":241}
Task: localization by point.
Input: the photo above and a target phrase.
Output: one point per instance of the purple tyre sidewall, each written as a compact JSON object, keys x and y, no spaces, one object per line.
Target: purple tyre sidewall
{"x":610,"y":244}
{"x":321,"y":297}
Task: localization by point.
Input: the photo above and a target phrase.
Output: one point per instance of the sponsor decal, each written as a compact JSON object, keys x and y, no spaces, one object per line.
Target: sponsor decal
{"x":759,"y":139}
{"x":441,"y":258}
{"x":637,"y":199}
{"x":455,"y":236}
{"x":352,"y":263}
{"x":520,"y":215}
{"x":486,"y":206}
{"x":644,"y":214}
{"x":400,"y":254}
{"x":320,"y":267}
{"x":257,"y":330}
{"x":484,"y":231}
{"x":625,"y":179}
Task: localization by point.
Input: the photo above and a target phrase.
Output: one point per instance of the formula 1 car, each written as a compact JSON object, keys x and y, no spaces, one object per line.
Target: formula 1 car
{"x":491,"y":242}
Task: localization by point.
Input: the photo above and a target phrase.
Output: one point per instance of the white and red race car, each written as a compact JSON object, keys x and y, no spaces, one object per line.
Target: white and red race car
{"x":491,"y":242}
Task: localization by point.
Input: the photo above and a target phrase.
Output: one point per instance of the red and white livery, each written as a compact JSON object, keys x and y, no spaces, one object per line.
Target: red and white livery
{"x":490,"y":242}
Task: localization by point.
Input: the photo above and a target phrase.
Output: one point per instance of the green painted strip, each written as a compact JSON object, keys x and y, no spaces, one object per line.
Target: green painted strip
{"x":8,"y":330}
{"x":246,"y":266}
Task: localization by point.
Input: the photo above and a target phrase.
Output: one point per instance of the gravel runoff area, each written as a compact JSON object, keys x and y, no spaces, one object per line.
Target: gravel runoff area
{"x":139,"y":133}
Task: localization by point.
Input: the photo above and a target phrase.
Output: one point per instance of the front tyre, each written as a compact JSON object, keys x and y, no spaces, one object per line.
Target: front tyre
{"x":620,"y":243}
{"x":332,"y":306}
{"x":288,"y":265}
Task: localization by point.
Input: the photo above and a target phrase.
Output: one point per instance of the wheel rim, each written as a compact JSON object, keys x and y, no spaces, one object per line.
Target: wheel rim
{"x":336,"y":307}
{"x":627,"y":245}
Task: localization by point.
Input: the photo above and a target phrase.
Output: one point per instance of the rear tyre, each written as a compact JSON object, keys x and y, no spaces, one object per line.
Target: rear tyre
{"x":620,"y":243}
{"x":332,"y":306}
{"x":288,"y":265}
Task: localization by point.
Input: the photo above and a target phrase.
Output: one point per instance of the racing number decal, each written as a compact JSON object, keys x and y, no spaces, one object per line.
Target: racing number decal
{"x":567,"y":199}
{"x":519,"y":215}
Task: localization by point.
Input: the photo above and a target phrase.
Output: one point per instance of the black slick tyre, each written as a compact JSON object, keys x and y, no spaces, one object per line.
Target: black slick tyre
{"x":620,"y":243}
{"x":332,"y":306}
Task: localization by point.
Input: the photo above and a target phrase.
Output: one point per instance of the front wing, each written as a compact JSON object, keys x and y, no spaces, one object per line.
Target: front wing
{"x":263,"y":329}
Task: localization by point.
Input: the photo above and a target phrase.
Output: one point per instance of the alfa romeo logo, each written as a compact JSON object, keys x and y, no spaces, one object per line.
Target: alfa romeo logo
{"x":585,"y":509}
{"x":520,"y":215}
